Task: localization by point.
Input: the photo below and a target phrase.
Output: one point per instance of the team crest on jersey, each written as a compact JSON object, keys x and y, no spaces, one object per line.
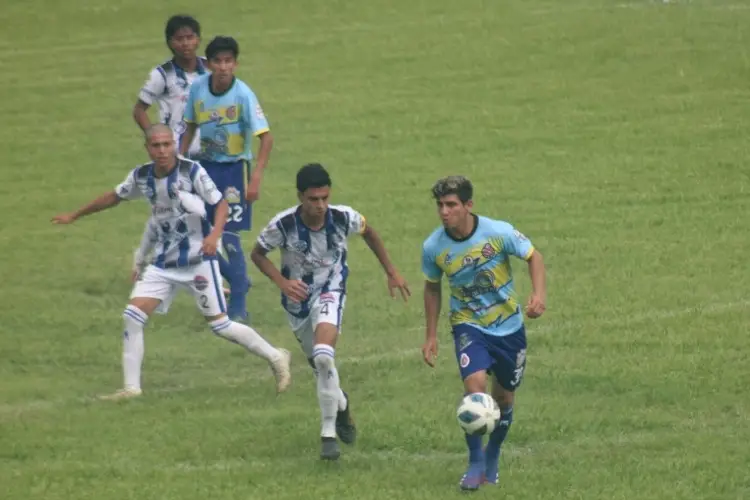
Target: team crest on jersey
{"x":299,"y":246}
{"x":232,"y":195}
{"x":231,"y":112}
{"x":200,"y":283}
{"x":447,"y":260}
{"x":215,"y":116}
{"x":488,"y":251}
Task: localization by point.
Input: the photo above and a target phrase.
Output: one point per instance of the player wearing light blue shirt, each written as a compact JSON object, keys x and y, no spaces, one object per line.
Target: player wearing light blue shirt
{"x":228,"y":115}
{"x":474,"y":252}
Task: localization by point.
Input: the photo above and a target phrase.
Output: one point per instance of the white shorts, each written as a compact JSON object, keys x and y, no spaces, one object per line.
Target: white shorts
{"x":328,"y":307}
{"x":202,"y":281}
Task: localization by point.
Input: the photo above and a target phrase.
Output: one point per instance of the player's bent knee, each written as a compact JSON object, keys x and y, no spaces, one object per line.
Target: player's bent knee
{"x":326,"y":333}
{"x":476,"y":382}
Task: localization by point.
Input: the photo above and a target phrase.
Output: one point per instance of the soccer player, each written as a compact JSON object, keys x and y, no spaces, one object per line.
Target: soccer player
{"x":227,"y":114}
{"x":312,"y":238}
{"x":185,"y":255}
{"x":474,"y":252}
{"x":169,"y":83}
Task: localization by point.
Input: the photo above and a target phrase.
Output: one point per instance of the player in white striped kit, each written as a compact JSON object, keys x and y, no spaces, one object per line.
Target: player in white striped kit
{"x":312,"y":238}
{"x":185,"y":255}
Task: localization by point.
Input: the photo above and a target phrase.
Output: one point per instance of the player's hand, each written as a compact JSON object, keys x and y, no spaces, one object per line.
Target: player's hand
{"x":430,"y":351}
{"x":295,"y":290}
{"x":396,"y":281}
{"x":535,"y":307}
{"x":252,"y":190}
{"x":209,"y":245}
{"x":64,"y":218}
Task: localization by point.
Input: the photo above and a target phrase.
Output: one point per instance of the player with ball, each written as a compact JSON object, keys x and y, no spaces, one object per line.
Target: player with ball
{"x":486,"y":318}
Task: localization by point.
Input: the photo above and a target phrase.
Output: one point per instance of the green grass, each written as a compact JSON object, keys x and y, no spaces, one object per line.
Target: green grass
{"x":614,"y":134}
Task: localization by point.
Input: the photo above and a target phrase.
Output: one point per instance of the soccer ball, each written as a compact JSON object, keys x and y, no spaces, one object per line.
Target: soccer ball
{"x":478,"y":413}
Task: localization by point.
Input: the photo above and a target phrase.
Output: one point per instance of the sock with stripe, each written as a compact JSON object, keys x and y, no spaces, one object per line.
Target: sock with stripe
{"x":132,"y":346}
{"x":246,"y":337}
{"x":329,"y":392}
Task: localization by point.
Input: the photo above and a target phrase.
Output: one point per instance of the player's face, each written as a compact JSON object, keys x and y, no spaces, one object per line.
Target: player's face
{"x":161,"y":149}
{"x":184,"y":43}
{"x":222,"y":67}
{"x":315,"y":201}
{"x":453,"y":212}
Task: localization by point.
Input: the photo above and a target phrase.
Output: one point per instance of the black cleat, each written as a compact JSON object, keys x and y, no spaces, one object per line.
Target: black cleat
{"x":329,"y":449}
{"x":345,"y":427}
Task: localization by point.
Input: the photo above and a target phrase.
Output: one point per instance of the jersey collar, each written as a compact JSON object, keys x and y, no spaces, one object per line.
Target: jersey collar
{"x":468,"y":236}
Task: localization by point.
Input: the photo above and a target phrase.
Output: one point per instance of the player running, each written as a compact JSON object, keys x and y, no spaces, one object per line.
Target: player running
{"x":185,"y":255}
{"x":312,"y":238}
{"x":169,"y":83}
{"x":473,"y":252}
{"x":227,"y":114}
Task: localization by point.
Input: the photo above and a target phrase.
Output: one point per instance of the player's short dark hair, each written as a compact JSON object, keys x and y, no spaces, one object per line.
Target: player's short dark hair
{"x":312,"y":175}
{"x":179,"y":21}
{"x":453,"y":184}
{"x":222,"y":44}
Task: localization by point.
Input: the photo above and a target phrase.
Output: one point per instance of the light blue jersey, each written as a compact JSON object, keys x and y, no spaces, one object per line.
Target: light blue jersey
{"x":479,"y":273}
{"x":227,"y":122}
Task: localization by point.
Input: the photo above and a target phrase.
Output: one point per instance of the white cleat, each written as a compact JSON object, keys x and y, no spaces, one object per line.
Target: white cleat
{"x":127,"y":393}
{"x":281,"y":369}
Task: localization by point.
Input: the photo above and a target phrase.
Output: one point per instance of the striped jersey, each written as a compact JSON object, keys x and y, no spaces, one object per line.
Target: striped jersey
{"x":169,"y":86}
{"x":318,"y":258}
{"x":175,"y":233}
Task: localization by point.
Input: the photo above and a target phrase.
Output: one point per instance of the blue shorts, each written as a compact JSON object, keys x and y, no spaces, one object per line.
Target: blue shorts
{"x":504,"y":357}
{"x":231,"y":179}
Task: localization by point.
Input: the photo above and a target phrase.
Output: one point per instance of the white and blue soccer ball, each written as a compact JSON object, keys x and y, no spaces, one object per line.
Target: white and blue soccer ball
{"x":478,"y":413}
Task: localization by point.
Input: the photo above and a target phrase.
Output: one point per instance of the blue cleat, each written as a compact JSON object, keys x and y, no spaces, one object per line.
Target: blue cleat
{"x":474,"y":477}
{"x":491,"y":467}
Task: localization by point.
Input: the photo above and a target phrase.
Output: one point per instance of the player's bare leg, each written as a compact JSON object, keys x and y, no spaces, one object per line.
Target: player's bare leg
{"x":279,"y":360}
{"x":334,"y":404}
{"x":135,"y":316}
{"x":504,"y":399}
{"x":474,"y":476}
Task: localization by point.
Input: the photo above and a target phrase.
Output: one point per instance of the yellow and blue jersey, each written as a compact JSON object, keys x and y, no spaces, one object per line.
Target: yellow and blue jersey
{"x":479,"y":274}
{"x":227,"y":122}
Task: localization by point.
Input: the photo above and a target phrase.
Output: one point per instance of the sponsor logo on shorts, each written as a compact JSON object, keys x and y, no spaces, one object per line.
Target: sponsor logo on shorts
{"x":463,"y":342}
{"x":232,"y":195}
{"x":200,"y":283}
{"x":464,"y":360}
{"x":327,"y":298}
{"x":520,"y":358}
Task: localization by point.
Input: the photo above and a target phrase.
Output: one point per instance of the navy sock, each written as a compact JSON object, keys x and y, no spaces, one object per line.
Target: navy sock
{"x":474,"y":442}
{"x":499,"y":434}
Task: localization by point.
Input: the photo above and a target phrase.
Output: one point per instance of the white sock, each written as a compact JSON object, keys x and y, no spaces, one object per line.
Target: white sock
{"x":335,"y":373}
{"x":329,"y":392}
{"x":132,"y":346}
{"x":246,"y":337}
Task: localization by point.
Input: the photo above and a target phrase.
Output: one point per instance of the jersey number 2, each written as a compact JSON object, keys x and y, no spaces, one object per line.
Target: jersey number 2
{"x":235,"y":213}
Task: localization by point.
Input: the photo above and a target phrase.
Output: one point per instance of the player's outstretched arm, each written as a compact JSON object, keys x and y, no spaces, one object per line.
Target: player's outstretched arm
{"x":103,"y":202}
{"x":294,"y":289}
{"x":537,"y":301}
{"x":432,"y":301}
{"x":373,"y":240}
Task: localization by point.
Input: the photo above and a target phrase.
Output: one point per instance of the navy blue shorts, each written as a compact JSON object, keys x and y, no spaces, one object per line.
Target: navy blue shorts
{"x":231,"y":179}
{"x":504,"y":357}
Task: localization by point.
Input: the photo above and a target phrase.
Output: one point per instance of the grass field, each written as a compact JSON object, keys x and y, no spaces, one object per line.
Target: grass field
{"x":613,"y":134}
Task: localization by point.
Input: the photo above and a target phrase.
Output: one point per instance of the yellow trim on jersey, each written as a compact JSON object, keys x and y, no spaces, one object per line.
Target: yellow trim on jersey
{"x":427,"y":278}
{"x":192,"y":122}
{"x":529,"y":254}
{"x":364,"y":224}
{"x":261,"y":131}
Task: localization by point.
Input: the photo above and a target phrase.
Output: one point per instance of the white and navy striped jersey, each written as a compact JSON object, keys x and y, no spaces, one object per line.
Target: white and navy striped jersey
{"x":175,"y":233}
{"x":169,"y":86}
{"x":318,"y":258}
